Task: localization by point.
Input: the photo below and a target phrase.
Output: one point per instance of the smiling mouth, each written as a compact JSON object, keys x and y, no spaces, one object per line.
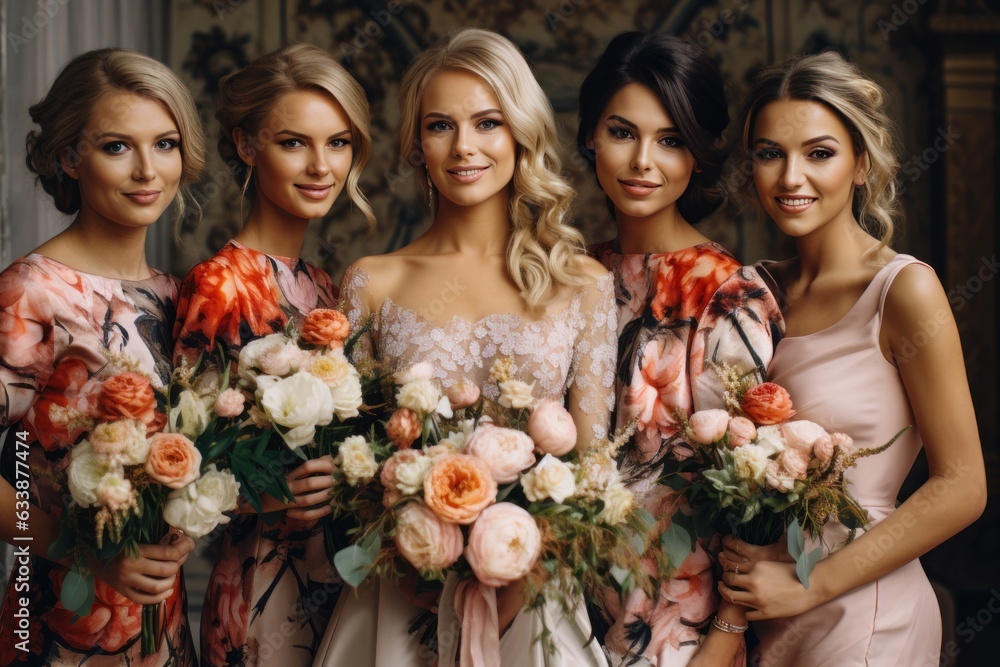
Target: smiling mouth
{"x":798,"y":201}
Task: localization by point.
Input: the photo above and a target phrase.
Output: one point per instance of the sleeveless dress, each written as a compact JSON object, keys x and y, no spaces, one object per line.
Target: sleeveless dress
{"x":272,"y":588}
{"x":567,"y":353}
{"x":58,"y":328}
{"x":680,"y":314}
{"x":839,"y":378}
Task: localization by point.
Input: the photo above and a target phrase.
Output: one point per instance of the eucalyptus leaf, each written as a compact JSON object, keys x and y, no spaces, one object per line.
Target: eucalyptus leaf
{"x":676,"y":543}
{"x":796,"y":540}
{"x":353,"y":563}
{"x":77,"y":593}
{"x":804,"y":565}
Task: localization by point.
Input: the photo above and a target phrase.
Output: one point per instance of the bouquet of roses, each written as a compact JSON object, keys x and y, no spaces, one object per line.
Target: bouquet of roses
{"x":764,"y":475}
{"x":124,"y":478}
{"x":492,"y":490}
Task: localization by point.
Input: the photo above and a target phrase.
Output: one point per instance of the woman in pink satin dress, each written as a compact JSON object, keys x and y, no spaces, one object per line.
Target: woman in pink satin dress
{"x":856,"y":358}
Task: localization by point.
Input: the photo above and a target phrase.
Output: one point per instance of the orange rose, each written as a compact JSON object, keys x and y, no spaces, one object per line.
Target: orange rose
{"x":173,"y":460}
{"x":403,"y":428}
{"x":458,"y":487}
{"x":767,"y":403}
{"x":325,"y":327}
{"x":127,"y":396}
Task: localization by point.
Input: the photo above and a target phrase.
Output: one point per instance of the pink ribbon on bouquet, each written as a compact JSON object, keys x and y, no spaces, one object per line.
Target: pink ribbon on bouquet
{"x":476,"y":609}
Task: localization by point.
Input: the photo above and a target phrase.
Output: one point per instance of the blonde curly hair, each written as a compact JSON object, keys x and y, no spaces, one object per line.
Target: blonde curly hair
{"x":542,"y":250}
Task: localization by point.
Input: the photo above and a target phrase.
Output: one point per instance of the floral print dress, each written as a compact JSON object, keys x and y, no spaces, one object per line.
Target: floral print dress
{"x":60,"y":329}
{"x":682,"y":314}
{"x":272,"y":589}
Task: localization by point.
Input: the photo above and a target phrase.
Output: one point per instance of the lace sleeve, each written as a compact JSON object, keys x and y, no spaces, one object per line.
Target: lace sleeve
{"x":354,"y":304}
{"x":738,"y":329}
{"x":591,"y":395}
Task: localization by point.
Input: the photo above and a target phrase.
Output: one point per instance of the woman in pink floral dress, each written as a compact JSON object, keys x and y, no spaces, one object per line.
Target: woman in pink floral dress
{"x":652,"y":114}
{"x":295,"y":124}
{"x":119,"y":136}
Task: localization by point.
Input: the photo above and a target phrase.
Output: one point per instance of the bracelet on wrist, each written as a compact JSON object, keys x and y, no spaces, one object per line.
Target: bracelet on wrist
{"x":729,"y":627}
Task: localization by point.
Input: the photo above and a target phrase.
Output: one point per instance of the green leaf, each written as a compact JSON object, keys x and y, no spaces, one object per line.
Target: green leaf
{"x":621,"y":575}
{"x":804,"y":565}
{"x":77,"y":593}
{"x":796,"y":540}
{"x":505,"y":491}
{"x":353,"y":564}
{"x":676,"y":543}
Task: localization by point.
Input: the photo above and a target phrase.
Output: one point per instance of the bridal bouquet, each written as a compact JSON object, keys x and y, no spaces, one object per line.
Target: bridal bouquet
{"x":491,"y":490}
{"x":763,"y":474}
{"x":129,"y":477}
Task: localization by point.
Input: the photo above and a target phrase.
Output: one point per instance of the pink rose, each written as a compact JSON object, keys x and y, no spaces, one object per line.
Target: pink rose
{"x":230,"y":403}
{"x":462,"y":395}
{"x":795,"y":462}
{"x":427,"y":542}
{"x":777,"y":478}
{"x":843,"y":442}
{"x":504,"y":544}
{"x":708,"y":426}
{"x":802,"y":434}
{"x":823,"y":449}
{"x":506,"y":451}
{"x":552,"y":428}
{"x":173,"y":460}
{"x":403,"y":428}
{"x":741,"y":432}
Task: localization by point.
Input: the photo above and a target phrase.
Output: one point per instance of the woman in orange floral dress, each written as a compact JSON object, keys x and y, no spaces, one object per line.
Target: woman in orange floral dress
{"x":295,"y":125}
{"x":119,"y":137}
{"x":652,"y":114}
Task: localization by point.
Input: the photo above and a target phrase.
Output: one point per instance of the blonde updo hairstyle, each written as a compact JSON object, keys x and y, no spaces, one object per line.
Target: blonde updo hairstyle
{"x":861,"y":104}
{"x":542,"y":249}
{"x":63,"y":115}
{"x":247,"y":96}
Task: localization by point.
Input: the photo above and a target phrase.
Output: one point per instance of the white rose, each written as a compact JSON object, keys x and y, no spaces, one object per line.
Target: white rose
{"x":769,"y":440}
{"x":421,"y":396}
{"x":551,"y":478}
{"x":750,"y":462}
{"x":516,"y":394}
{"x":346,"y":397}
{"x":86,"y":469}
{"x":198,"y":507}
{"x":410,"y":475}
{"x":618,"y":502}
{"x":191,"y":415}
{"x":421,"y":371}
{"x":300,"y":404}
{"x":251,"y":352}
{"x":356,"y":458}
{"x":114,"y":491}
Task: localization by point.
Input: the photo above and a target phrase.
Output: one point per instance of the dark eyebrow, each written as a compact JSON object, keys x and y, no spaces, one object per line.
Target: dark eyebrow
{"x":128,"y":137}
{"x":306,"y":136}
{"x":623,"y":121}
{"x":825,"y":137}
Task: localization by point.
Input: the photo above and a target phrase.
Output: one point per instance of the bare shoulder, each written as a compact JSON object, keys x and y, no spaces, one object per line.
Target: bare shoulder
{"x":915,"y":297}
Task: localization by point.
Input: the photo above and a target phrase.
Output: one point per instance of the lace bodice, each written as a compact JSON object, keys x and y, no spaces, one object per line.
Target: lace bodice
{"x":569,"y":354}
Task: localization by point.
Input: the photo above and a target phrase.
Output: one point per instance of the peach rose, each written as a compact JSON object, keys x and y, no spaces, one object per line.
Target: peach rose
{"x":795,"y":462}
{"x":505,"y":450}
{"x":427,"y":542}
{"x":173,"y":460}
{"x":823,"y":449}
{"x":504,"y":544}
{"x":708,"y":426}
{"x":462,"y":395}
{"x":741,"y":432}
{"x":230,"y":403}
{"x":552,"y":428}
{"x":127,"y":396}
{"x":458,"y":487}
{"x":777,"y":478}
{"x":403,"y":428}
{"x":767,"y":403}
{"x":802,"y":435}
{"x":324,"y":326}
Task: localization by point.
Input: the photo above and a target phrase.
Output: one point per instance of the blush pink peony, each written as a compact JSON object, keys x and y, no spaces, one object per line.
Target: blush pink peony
{"x":552,"y":428}
{"x":504,"y":544}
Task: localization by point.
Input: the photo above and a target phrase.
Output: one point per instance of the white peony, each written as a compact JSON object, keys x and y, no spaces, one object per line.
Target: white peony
{"x":356,"y":458}
{"x":410,"y":475}
{"x":347,"y":397}
{"x":551,"y":478}
{"x":191,"y":415}
{"x":750,"y":462}
{"x":618,"y":502}
{"x":516,"y":394}
{"x":198,"y":507}
{"x":769,"y":440}
{"x":300,"y":404}
{"x":86,"y":469}
{"x":250,"y":354}
{"x":421,"y":396}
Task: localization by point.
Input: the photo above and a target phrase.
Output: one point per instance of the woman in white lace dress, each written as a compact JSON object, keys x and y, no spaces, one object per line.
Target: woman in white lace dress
{"x":499,"y":273}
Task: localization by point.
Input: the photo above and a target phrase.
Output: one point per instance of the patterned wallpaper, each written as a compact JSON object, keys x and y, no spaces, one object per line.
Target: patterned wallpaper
{"x":376,"y":39}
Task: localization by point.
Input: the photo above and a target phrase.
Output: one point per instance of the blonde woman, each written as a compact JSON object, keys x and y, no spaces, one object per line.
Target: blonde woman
{"x":500,"y":273}
{"x":856,"y":358}
{"x":294,"y":124}
{"x":118,"y":138}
